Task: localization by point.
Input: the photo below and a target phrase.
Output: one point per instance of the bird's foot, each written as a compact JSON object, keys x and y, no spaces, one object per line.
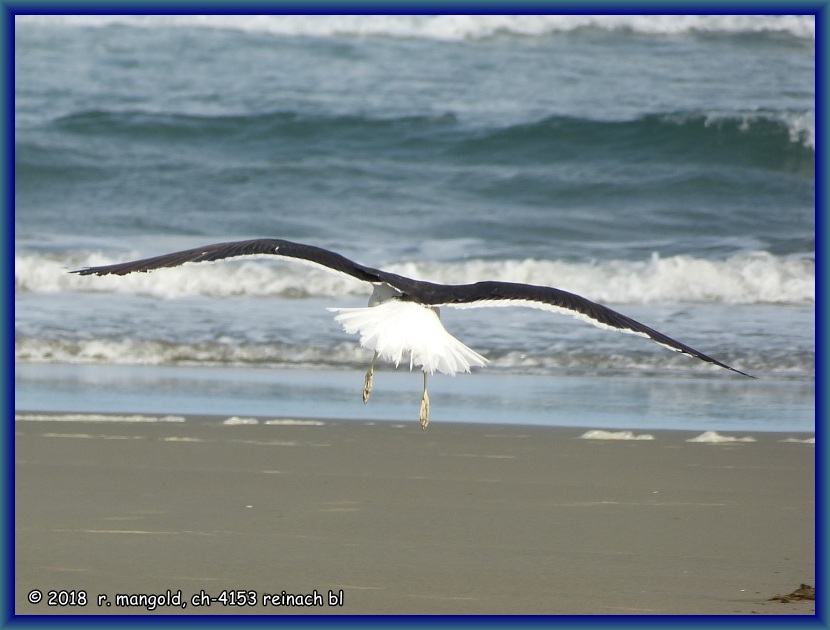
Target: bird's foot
{"x":367,"y":384}
{"x":424,"y":415}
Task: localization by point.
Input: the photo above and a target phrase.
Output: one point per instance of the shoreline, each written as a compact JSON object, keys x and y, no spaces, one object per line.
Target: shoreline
{"x":726,"y":404}
{"x":460,"y":519}
{"x":223,"y":419}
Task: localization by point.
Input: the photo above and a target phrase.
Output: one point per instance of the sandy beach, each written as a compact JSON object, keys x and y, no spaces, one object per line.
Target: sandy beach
{"x":348,"y":517}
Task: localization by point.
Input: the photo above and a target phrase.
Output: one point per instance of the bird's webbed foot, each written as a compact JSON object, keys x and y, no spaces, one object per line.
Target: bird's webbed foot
{"x":424,"y":414}
{"x":367,"y":382}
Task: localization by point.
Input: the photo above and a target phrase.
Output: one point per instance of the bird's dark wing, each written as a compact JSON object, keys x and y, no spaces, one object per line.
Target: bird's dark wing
{"x":484,"y":294}
{"x":271,"y":246}
{"x":480,"y":294}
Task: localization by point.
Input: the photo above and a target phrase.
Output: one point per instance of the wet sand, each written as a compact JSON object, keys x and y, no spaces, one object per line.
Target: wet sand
{"x":460,"y":519}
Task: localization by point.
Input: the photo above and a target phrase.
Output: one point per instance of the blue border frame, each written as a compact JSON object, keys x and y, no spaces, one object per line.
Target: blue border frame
{"x":822,"y":29}
{"x":7,"y":439}
{"x":576,"y":7}
{"x":9,"y":8}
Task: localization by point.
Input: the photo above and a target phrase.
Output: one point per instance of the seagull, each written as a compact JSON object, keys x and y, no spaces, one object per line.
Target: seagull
{"x":402,"y":319}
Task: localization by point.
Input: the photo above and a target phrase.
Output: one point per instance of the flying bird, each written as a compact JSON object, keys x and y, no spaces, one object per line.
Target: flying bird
{"x":402,"y":320}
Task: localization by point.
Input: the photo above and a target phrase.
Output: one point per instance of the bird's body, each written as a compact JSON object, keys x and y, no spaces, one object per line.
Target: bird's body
{"x":395,"y":328}
{"x":402,"y":321}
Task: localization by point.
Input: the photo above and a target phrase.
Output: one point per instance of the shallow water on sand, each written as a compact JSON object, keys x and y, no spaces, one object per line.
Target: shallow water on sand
{"x":733,"y":404}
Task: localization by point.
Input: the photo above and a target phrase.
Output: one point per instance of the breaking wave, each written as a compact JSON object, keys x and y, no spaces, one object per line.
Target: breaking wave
{"x":748,"y":278}
{"x":450,"y":27}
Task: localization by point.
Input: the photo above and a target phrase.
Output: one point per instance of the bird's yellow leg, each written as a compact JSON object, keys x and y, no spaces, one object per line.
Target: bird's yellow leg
{"x":367,"y":383}
{"x":424,"y":416}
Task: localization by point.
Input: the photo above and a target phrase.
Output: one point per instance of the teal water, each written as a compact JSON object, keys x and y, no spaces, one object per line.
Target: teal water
{"x":614,"y":402}
{"x":663,"y":167}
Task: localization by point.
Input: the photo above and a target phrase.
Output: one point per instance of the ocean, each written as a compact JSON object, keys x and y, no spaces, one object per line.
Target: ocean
{"x":661,"y":165}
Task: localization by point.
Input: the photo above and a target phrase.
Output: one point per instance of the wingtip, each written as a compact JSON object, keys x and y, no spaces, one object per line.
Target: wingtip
{"x":87,"y":271}
{"x":744,"y":373}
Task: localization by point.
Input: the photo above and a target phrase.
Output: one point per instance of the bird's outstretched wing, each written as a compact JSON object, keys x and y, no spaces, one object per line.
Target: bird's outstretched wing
{"x":480,"y":294}
{"x":271,"y":246}
{"x":491,"y":293}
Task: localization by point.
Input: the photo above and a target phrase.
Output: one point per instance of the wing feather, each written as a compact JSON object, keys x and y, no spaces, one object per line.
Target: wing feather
{"x":492,"y":293}
{"x":218,"y":251}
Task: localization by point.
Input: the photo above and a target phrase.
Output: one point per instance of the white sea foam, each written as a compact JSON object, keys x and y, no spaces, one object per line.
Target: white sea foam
{"x":448,"y":27}
{"x":245,"y":277}
{"x":598,"y":434}
{"x":801,"y":125}
{"x":746,"y":278}
{"x":349,"y":355}
{"x":237,"y":421}
{"x":92,"y":417}
{"x":284,"y":422}
{"x":155,"y":352}
{"x":291,"y":422}
{"x":811,"y":440}
{"x":713,"y":437}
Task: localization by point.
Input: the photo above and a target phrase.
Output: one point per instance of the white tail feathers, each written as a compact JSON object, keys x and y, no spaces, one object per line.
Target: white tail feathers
{"x":394,"y":328}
